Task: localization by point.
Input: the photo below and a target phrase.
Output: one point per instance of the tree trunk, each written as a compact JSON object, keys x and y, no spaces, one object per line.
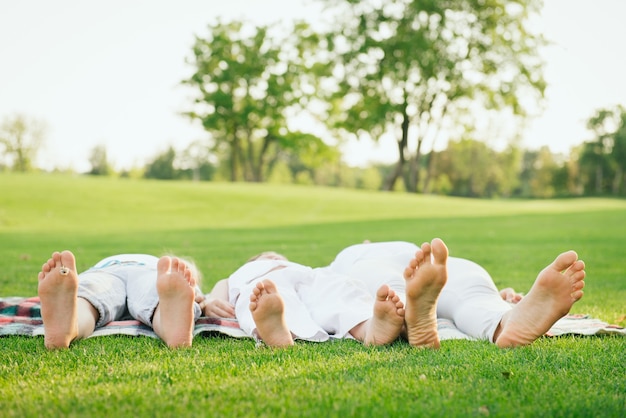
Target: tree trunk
{"x":414,"y":180}
{"x":262,"y":166}
{"x":393,"y":176}
{"x":235,"y":150}
{"x":431,"y":157}
{"x":430,"y":171}
{"x":410,"y":179}
{"x":233,"y":160}
{"x":599,"y":179}
{"x":389,"y":183}
{"x":617,"y":180}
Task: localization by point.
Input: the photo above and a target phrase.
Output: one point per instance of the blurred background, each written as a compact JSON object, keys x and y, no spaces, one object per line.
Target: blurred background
{"x":491,"y":98}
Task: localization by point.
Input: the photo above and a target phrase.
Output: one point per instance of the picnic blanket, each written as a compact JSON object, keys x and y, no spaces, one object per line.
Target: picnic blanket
{"x":22,"y":316}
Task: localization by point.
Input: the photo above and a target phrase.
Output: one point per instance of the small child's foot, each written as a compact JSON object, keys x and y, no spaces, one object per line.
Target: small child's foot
{"x":551,"y":297}
{"x":424,"y":280}
{"x":173,"y":319}
{"x":58,"y":289}
{"x":388,"y":320}
{"x":268,"y":311}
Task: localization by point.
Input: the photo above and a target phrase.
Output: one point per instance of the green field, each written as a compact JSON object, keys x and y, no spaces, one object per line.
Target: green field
{"x":220,"y":225}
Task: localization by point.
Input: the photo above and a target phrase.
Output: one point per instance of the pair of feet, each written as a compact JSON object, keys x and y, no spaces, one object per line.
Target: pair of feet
{"x":556,"y":289}
{"x":67,"y":317}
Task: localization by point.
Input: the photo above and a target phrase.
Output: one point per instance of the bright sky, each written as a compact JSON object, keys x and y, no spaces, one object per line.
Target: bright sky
{"x":108,"y":72}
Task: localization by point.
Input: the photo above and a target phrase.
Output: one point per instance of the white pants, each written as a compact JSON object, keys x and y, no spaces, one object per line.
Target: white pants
{"x":470,"y":298}
{"x":123,"y":286}
{"x":319,"y":304}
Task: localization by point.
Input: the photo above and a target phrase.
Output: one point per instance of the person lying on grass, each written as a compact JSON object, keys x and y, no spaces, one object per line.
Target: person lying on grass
{"x":277,"y":301}
{"x":159,"y":292}
{"x":431,"y":284}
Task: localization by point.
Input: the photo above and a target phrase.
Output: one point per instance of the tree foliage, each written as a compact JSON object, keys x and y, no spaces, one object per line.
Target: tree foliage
{"x":21,"y":138}
{"x":414,"y":67}
{"x":603,"y":160}
{"x":162,"y":166}
{"x":100,"y":165}
{"x":249,"y":80}
{"x":470,"y":169}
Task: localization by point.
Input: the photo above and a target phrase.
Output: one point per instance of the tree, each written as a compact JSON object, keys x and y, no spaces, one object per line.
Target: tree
{"x":593,"y":165}
{"x":162,"y":167}
{"x":99,"y":163}
{"x":305,"y":153}
{"x":414,"y":67}
{"x":249,"y":80}
{"x":543,"y":173}
{"x":21,"y":139}
{"x":603,"y":160}
{"x":573,"y":184}
{"x":196,"y":161}
{"x":471,"y":168}
{"x":618,"y":155}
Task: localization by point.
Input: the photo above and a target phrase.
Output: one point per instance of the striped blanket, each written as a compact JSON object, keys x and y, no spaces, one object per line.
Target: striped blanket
{"x":22,"y":316}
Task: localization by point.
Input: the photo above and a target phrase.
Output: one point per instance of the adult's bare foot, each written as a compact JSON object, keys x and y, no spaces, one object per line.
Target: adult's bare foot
{"x":57,"y":289}
{"x":386,"y":324}
{"x":268,"y":311}
{"x":556,"y":289}
{"x":173,"y":319}
{"x":425,"y":276}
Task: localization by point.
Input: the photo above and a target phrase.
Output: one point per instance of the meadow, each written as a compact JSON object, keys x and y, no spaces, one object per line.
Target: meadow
{"x":220,"y":225}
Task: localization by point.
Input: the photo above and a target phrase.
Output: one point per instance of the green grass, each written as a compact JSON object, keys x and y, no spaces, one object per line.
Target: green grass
{"x":220,"y":225}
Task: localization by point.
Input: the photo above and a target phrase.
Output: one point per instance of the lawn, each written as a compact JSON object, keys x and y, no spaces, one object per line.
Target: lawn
{"x":221,"y":225}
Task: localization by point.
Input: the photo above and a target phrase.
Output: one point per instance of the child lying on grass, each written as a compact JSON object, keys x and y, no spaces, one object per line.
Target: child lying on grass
{"x":160,"y":292}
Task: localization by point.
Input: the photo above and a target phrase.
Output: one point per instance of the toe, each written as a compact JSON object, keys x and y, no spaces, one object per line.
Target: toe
{"x":164,"y":264}
{"x":565,"y":260}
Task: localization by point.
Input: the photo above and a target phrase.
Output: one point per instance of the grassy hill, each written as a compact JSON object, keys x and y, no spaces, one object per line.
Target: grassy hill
{"x":220,"y":225}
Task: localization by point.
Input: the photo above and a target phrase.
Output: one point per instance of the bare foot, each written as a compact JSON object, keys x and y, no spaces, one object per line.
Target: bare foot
{"x":268,"y":311}
{"x":173,"y":319}
{"x":425,"y":277}
{"x":57,"y":289}
{"x":386,"y":324}
{"x":556,"y":289}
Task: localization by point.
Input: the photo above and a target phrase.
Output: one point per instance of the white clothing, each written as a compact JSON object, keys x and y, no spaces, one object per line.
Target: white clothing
{"x":124,"y":285}
{"x":319,"y":304}
{"x":470,"y":298}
